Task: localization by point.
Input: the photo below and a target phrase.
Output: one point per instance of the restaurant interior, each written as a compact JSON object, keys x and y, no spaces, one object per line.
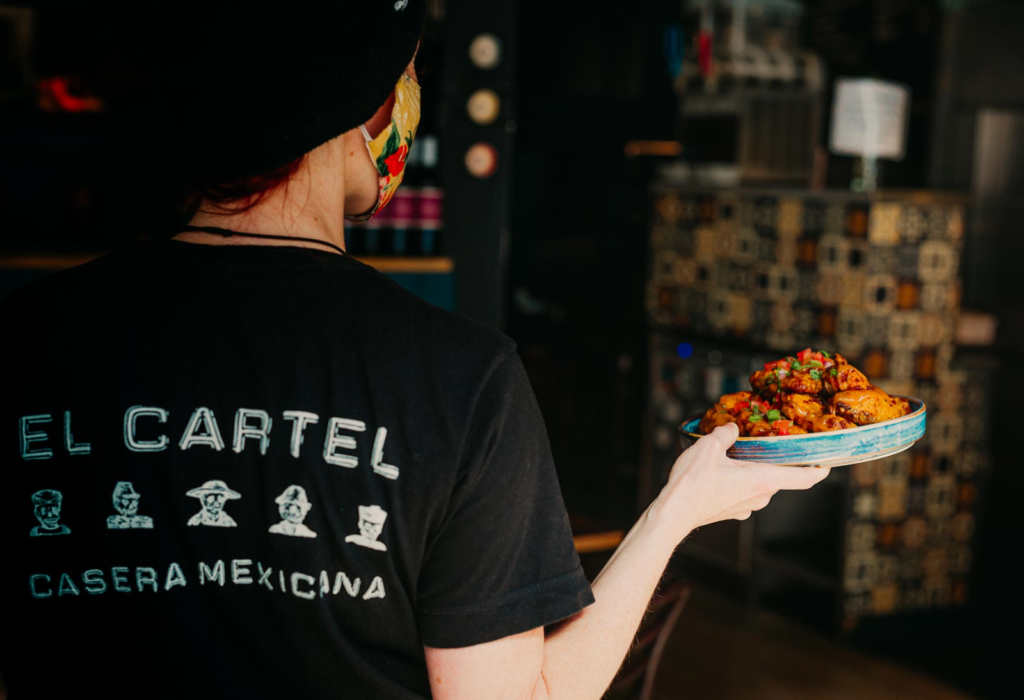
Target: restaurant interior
{"x":653,"y":200}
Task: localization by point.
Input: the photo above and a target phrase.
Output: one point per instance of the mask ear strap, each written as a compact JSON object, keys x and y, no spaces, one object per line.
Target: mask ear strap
{"x":369,"y":139}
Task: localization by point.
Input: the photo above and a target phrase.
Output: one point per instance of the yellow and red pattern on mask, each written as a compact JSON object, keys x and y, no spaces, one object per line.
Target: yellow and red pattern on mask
{"x":390,"y":148}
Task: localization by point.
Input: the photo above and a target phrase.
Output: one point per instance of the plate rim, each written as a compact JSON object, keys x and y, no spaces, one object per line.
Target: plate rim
{"x":848,"y":431}
{"x":840,"y":461}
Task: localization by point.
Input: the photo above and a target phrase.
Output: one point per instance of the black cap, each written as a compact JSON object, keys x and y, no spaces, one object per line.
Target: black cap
{"x":258,"y":85}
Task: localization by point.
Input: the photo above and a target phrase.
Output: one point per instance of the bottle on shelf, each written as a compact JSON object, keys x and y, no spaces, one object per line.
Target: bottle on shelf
{"x":430,"y":199}
{"x":399,"y":239}
{"x":428,"y":239}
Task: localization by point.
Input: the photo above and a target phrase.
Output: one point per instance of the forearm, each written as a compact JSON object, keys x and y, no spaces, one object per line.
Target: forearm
{"x":582,"y":655}
{"x":578,"y":659}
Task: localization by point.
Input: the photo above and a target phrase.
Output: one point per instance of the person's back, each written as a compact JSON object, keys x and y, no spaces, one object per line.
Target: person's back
{"x":239,"y":463}
{"x":269,"y":469}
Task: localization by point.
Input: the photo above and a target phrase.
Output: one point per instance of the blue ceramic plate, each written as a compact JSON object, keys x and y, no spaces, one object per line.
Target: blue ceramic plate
{"x":831,"y":449}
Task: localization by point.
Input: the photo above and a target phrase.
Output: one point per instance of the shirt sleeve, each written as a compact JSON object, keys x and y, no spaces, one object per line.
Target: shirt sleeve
{"x":503,"y":560}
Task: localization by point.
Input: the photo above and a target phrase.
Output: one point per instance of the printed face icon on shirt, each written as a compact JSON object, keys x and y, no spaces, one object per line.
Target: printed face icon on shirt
{"x":47,"y":510}
{"x":292,"y":505}
{"x":371,"y":522}
{"x":212,"y":496}
{"x":126,"y":503}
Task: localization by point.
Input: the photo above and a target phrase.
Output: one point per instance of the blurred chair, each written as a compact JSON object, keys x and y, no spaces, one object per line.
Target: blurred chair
{"x":635,"y":680}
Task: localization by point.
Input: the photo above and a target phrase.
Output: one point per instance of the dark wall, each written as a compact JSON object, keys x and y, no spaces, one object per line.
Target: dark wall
{"x":895,"y":40}
{"x":587,"y":82}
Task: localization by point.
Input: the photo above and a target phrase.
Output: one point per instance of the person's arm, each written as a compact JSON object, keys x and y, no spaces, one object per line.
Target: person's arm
{"x":581,"y":656}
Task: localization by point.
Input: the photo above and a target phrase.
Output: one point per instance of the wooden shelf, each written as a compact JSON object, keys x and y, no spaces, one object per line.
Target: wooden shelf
{"x":434,"y":266}
{"x":45,"y":262}
{"x":598,"y":541}
{"x":51,"y":262}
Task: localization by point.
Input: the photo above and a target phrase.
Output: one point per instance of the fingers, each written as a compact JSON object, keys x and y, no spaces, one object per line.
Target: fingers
{"x":725,"y":435}
{"x":742,"y":511}
{"x":754,"y":503}
{"x":791,"y":478}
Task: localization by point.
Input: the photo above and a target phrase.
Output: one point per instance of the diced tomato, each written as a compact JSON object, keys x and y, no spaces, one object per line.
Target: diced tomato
{"x":803,"y":355}
{"x":782,"y":364}
{"x":783,"y":431}
{"x":741,"y":405}
{"x":769,"y":366}
{"x":782,"y":423}
{"x":818,"y":356}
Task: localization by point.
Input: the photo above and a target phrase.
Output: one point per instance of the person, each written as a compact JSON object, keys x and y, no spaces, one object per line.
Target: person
{"x":371,"y":522}
{"x":126,"y":503}
{"x":47,"y":504}
{"x":293,"y":505}
{"x":250,"y":349}
{"x":212,"y":496}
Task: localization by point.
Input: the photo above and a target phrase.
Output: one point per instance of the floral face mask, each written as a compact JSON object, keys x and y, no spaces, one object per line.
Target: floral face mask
{"x":390,"y":148}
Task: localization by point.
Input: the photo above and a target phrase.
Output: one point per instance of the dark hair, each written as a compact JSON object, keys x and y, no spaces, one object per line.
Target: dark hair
{"x":234,"y":196}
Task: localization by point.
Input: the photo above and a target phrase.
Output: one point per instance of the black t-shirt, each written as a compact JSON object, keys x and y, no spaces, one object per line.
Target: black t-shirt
{"x":259,"y":471}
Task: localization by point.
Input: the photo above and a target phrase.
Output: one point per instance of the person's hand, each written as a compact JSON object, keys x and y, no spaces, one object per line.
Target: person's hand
{"x":706,"y":486}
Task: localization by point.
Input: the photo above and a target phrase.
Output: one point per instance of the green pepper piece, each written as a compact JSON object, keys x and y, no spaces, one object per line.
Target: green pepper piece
{"x":774,"y":415}
{"x":816,"y":374}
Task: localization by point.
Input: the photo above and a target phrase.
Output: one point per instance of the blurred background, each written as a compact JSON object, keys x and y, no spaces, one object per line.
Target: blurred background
{"x":653,"y":199}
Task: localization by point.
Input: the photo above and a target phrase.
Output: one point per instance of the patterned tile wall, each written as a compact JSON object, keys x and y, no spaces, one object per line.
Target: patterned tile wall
{"x":878,"y":281}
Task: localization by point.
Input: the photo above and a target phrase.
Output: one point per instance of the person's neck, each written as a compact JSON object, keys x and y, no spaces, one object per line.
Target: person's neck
{"x":310,"y":205}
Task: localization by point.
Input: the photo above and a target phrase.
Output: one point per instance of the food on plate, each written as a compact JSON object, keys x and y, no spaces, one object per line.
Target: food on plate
{"x":811,"y":392}
{"x":846,"y":377}
{"x":802,"y":409}
{"x":827,"y":422}
{"x":865,"y":406}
